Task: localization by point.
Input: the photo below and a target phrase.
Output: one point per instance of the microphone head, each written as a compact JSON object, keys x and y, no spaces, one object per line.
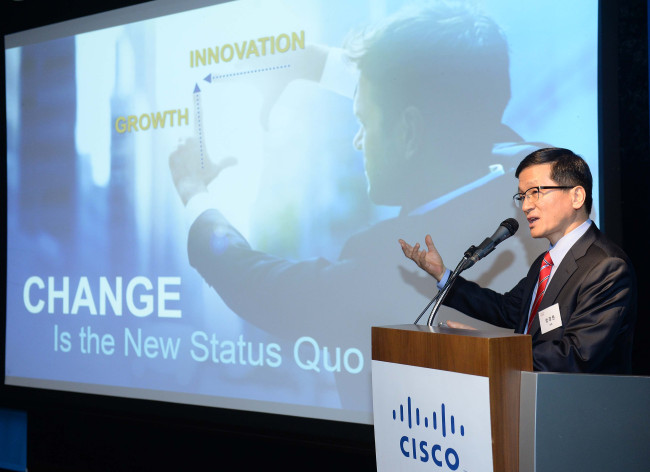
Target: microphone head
{"x":511,"y":225}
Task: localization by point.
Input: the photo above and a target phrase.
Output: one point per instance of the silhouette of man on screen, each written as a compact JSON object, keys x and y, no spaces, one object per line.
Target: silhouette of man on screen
{"x":432,"y":88}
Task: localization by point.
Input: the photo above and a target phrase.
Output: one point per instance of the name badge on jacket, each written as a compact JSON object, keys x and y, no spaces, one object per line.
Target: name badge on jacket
{"x":550,"y":319}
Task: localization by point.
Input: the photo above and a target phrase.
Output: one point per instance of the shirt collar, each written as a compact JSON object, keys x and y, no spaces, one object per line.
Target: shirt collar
{"x":566,"y":242}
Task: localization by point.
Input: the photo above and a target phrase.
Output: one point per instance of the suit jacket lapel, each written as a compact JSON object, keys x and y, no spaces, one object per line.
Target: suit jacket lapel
{"x":563,"y":273}
{"x":531,"y":280}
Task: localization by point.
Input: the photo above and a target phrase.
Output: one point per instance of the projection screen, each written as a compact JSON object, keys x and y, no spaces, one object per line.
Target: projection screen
{"x":204,"y":206}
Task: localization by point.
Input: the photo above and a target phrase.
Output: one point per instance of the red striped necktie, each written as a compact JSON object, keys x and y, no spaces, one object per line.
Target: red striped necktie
{"x":544,"y":275}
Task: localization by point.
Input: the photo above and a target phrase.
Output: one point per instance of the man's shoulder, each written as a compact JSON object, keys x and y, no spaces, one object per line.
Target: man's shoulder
{"x":596,"y":246}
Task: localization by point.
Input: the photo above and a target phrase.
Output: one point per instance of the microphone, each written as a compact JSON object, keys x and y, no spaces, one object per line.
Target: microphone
{"x":506,"y":229}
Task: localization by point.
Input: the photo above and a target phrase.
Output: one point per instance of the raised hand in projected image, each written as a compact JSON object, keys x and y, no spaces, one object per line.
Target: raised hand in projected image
{"x":192,"y":170}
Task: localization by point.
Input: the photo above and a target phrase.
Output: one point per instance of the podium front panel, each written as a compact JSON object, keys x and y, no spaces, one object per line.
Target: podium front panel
{"x":495,"y":357}
{"x":428,"y":418}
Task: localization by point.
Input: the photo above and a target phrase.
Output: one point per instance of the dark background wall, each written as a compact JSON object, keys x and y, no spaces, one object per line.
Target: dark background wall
{"x":70,"y":432}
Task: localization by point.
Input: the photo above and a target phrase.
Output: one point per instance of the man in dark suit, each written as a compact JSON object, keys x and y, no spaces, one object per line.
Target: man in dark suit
{"x":578,"y":301}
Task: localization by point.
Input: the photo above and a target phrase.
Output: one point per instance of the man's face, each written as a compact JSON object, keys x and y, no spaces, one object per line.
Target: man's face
{"x":378,"y":138}
{"x":553,"y":215}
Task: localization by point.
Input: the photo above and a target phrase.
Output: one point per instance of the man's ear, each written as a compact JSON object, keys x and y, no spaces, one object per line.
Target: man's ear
{"x":412,"y":123}
{"x":578,"y":197}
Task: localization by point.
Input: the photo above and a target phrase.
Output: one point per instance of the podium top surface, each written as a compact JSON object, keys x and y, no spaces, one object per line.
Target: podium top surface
{"x":475,"y":352}
{"x":477,"y":333}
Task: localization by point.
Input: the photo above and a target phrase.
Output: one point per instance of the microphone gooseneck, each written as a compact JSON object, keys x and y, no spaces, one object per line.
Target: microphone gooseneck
{"x":474,"y":254}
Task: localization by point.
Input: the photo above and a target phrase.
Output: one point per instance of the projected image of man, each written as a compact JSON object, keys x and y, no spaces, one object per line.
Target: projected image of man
{"x":432,"y":88}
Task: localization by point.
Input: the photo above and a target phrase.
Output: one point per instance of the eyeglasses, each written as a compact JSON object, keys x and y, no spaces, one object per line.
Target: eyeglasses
{"x":533,"y":193}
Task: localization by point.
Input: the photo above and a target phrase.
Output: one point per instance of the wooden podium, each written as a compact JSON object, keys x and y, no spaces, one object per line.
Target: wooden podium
{"x":498,"y":356}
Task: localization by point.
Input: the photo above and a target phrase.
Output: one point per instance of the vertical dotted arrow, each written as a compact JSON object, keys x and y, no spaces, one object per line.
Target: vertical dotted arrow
{"x":198,"y":122}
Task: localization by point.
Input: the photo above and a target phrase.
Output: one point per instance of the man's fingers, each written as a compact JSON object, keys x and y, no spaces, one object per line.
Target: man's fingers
{"x":406,"y":247}
{"x":408,"y":250}
{"x":458,"y":325}
{"x":429,"y":242}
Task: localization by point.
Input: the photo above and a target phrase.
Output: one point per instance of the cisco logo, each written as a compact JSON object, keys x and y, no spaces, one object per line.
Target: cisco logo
{"x":428,"y":423}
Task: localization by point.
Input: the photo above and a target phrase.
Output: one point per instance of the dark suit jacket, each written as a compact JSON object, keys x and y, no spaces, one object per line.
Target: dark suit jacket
{"x":595,"y":288}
